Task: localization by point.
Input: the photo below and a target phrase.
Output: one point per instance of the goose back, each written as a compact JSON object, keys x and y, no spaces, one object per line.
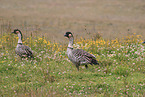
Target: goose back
{"x":24,"y":51}
{"x":81,"y":57}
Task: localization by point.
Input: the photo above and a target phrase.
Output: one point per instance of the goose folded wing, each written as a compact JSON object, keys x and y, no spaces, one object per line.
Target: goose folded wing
{"x":83,"y":55}
{"x":28,"y":50}
{"x":24,"y":51}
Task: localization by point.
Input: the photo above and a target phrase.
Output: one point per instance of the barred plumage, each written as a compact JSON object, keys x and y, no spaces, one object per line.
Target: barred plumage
{"x":22,"y":50}
{"x":79,"y":56}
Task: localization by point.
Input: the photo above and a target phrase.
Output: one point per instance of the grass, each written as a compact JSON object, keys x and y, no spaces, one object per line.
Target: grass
{"x":112,"y":30}
{"x":120,"y":73}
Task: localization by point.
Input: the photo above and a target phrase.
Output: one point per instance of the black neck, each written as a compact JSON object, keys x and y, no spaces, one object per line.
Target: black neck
{"x":21,"y":35}
{"x":20,"y":43}
{"x":70,"y":48}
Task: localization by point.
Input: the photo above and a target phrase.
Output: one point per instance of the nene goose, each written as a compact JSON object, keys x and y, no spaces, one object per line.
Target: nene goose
{"x":79,"y":56}
{"x":22,"y":50}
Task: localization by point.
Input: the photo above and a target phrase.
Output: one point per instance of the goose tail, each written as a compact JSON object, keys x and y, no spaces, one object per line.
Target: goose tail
{"x":95,"y":62}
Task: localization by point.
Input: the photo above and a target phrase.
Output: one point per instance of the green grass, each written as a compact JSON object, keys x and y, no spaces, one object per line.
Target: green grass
{"x":122,"y":61}
{"x":121,"y":71}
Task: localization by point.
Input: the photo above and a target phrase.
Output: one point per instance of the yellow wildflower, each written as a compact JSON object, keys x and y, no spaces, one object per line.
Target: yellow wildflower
{"x":48,"y":43}
{"x":44,"y":41}
{"x":3,"y":61}
{"x":39,"y":38}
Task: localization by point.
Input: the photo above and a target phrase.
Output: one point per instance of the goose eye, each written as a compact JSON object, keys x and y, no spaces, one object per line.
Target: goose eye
{"x":17,"y":32}
{"x":69,"y":35}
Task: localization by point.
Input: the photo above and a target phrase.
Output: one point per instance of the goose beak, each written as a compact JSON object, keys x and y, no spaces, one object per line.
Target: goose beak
{"x":12,"y":32}
{"x":65,"y":35}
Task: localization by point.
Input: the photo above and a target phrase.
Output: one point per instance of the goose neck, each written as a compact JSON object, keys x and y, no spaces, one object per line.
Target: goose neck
{"x":20,"y":38}
{"x":71,"y":40}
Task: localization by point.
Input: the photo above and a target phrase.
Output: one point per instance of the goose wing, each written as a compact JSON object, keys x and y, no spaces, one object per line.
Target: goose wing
{"x":83,"y":56}
{"x":24,"y":51}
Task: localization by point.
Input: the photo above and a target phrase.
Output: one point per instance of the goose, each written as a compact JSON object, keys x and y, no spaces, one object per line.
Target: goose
{"x":78,"y":56}
{"x":22,"y":50}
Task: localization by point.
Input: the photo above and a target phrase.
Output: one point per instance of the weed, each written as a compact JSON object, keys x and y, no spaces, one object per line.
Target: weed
{"x":120,"y":73}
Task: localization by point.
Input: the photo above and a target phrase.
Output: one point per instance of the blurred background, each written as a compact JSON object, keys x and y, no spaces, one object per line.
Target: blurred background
{"x":84,"y":18}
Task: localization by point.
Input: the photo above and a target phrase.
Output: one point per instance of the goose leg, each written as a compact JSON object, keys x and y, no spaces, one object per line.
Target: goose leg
{"x":86,"y":66}
{"x":77,"y":65}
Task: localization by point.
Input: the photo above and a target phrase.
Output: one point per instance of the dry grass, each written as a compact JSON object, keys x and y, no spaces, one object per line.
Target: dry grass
{"x":113,"y":19}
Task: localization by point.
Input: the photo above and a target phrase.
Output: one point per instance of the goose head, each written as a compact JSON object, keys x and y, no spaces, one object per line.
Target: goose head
{"x":68,"y":34}
{"x":16,"y":31}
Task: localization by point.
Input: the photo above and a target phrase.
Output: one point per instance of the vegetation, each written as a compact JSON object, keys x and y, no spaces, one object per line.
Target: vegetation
{"x":112,"y":18}
{"x":107,"y":29}
{"x":121,"y":71}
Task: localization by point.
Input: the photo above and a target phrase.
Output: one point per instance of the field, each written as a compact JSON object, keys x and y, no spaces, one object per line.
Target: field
{"x":111,"y":30}
{"x":121,"y":71}
{"x":112,"y":18}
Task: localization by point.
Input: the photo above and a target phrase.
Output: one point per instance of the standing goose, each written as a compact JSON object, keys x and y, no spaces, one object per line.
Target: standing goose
{"x":79,"y":56}
{"x":22,"y":50}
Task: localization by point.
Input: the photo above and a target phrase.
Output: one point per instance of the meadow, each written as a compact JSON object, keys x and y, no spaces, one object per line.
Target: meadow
{"x":113,"y":19}
{"x":121,"y":71}
{"x":112,"y":30}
